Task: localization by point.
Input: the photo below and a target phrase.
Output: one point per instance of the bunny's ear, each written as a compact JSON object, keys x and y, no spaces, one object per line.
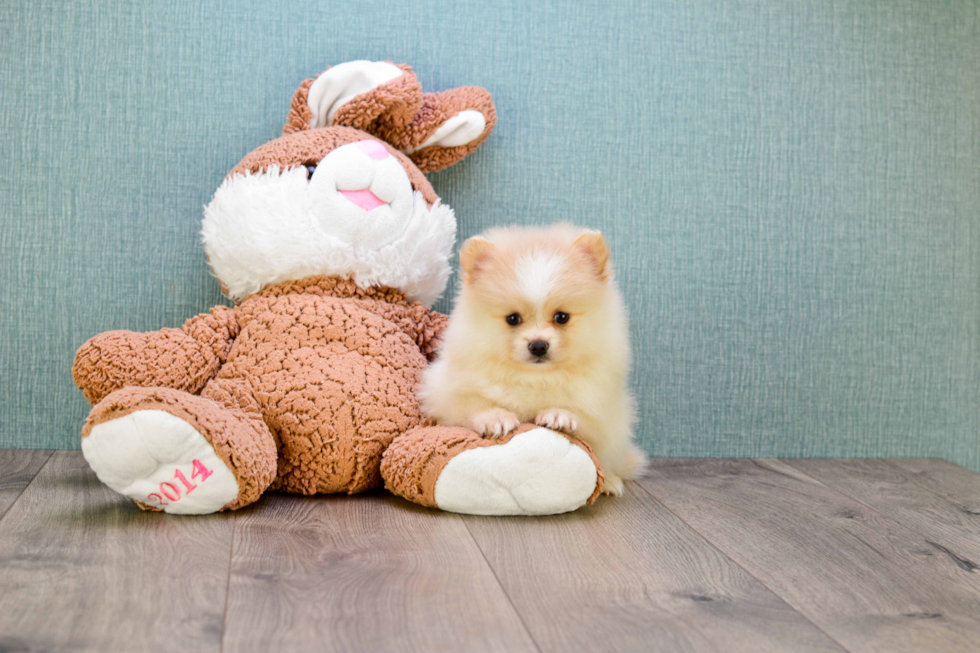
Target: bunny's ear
{"x":385,"y":100}
{"x":375,"y":96}
{"x":449,"y":127}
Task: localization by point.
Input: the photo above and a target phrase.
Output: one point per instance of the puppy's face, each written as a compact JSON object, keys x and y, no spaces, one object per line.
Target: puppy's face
{"x":536,"y":297}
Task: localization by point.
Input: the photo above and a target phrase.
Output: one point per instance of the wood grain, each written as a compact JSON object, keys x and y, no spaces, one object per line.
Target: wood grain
{"x":367,"y":573}
{"x":866,"y":580}
{"x":750,"y":556}
{"x":82,"y":568}
{"x":17,"y":469}
{"x":949,"y":525}
{"x":627,"y":575}
{"x":956,"y":483}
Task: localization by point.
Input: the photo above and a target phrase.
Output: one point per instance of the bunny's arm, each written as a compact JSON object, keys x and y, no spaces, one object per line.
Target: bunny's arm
{"x":430,"y":330}
{"x":422,"y":325}
{"x":183,"y":359}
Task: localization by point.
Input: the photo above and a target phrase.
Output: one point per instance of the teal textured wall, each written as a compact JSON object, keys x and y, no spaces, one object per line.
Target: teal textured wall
{"x":792,"y":190}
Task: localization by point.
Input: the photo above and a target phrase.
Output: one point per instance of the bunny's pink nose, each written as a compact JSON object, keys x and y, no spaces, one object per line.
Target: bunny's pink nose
{"x":373,"y":149}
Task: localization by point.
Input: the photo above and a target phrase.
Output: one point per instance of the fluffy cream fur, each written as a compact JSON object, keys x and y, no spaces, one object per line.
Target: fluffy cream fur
{"x":266,"y":228}
{"x":485,"y":377}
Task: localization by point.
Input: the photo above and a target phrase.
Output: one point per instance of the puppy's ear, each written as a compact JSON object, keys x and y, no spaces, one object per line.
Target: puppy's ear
{"x":475,"y":253}
{"x":378,"y":97}
{"x":593,"y":245}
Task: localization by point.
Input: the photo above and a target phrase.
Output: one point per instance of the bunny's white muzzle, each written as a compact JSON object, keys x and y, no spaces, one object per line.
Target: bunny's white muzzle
{"x":356,"y":214}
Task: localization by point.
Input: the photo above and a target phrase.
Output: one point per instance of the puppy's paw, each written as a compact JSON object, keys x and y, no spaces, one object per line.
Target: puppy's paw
{"x":494,"y":423}
{"x":557,"y":420}
{"x":613,"y":485}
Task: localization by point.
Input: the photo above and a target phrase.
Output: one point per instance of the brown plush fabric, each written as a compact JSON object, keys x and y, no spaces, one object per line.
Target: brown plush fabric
{"x":239,"y":436}
{"x":167,"y":358}
{"x":385,"y":111}
{"x":437,"y":108}
{"x":299,"y":116}
{"x":331,"y":368}
{"x":215,"y":330}
{"x":183,"y":359}
{"x":399,"y":114}
{"x":423,"y":326}
{"x":412,"y":464}
{"x":335,"y":379}
{"x":310,"y":146}
{"x":324,"y":286}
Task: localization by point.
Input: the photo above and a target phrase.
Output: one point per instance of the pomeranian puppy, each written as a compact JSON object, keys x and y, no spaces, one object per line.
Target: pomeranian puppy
{"x":539,"y":334}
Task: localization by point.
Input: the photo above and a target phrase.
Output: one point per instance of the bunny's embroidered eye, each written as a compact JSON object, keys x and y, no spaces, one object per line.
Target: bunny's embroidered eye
{"x":309,"y":172}
{"x":513,"y":319}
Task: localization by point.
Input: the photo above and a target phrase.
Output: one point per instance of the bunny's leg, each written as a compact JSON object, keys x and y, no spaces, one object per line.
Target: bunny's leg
{"x":181,"y":453}
{"x":530,"y":471}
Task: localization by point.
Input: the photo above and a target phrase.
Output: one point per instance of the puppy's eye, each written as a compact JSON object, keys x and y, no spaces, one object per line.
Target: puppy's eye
{"x":561,"y":318}
{"x":513,"y":319}
{"x":309,"y":172}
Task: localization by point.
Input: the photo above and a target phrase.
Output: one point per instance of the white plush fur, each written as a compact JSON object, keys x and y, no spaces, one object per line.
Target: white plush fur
{"x":272,"y":227}
{"x":465,"y":127}
{"x":538,"y":472}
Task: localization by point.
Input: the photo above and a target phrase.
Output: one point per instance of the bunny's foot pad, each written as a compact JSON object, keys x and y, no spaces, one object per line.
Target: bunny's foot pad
{"x":160,"y":461}
{"x":531,"y":471}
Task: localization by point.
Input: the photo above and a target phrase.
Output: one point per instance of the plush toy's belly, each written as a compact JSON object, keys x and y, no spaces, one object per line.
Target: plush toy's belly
{"x":336,"y":384}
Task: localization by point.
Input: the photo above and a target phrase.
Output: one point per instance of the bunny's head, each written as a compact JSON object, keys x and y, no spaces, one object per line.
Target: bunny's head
{"x":342,"y":191}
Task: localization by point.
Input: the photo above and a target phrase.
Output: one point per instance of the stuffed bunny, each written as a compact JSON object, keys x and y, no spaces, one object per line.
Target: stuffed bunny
{"x":332,"y":244}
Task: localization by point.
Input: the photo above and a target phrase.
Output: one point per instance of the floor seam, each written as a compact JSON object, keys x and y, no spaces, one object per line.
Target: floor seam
{"x":231,"y":558}
{"x":29,"y":484}
{"x":737,"y":564}
{"x":915,"y":531}
{"x":912,"y":477}
{"x":500,"y":585}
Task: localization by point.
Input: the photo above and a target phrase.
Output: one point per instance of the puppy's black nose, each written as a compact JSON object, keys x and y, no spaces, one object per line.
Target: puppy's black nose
{"x":537,"y":348}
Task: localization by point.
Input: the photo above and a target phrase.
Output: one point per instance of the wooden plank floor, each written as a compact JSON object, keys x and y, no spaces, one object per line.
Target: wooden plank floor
{"x":702,"y":555}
